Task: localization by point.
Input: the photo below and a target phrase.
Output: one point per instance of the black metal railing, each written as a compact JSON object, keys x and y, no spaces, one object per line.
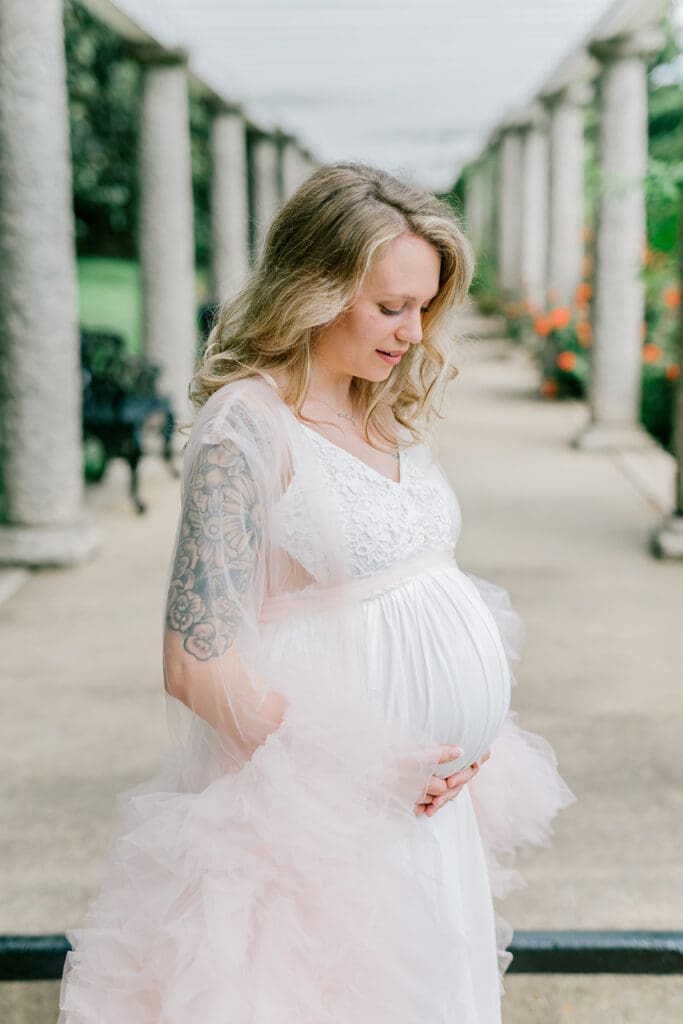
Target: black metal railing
{"x":41,"y":957}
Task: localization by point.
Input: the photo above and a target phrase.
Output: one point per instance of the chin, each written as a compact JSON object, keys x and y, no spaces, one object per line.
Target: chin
{"x":376,"y":376}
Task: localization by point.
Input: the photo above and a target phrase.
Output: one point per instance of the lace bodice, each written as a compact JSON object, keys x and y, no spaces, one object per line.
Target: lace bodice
{"x":382,"y":522}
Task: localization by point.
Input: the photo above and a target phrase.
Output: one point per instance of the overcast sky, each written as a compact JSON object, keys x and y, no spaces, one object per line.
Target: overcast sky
{"x":413,"y":85}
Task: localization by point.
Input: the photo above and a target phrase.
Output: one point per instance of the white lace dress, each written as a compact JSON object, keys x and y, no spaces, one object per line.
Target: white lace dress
{"x":295,"y":885}
{"x":432,"y":653}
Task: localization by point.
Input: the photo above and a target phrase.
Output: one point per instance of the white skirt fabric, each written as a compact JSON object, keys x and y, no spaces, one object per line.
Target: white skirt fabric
{"x":432,"y":654}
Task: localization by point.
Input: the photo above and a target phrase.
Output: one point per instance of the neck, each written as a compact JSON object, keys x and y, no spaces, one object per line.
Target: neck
{"x":331,"y":385}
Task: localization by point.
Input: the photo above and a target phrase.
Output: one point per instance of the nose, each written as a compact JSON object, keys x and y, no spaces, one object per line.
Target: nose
{"x":410,"y":329}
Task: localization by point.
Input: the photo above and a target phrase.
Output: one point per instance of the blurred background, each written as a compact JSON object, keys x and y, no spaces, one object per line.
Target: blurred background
{"x":145,"y":145}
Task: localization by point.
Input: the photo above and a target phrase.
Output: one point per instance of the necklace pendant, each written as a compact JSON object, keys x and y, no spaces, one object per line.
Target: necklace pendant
{"x":348,"y":416}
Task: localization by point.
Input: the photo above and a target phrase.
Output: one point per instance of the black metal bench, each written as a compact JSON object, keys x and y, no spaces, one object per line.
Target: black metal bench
{"x":120,"y":397}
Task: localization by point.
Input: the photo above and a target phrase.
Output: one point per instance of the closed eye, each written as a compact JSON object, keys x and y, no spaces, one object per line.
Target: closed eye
{"x":397,"y":312}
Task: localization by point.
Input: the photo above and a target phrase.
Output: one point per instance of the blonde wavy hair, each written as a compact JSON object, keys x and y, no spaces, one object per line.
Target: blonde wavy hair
{"x":315,"y":257}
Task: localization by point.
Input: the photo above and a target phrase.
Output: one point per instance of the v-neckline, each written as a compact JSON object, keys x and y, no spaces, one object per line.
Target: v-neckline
{"x":272,"y":383}
{"x":357,"y":458}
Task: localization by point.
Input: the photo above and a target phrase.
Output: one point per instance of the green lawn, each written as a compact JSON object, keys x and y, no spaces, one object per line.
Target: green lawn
{"x":110,"y":299}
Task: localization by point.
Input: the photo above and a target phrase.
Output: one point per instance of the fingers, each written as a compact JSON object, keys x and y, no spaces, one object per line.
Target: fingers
{"x":461,"y":777}
{"x":439,"y":791}
{"x":454,"y":784}
{"x":435,"y":786}
{"x":439,"y":801}
{"x":448,"y":753}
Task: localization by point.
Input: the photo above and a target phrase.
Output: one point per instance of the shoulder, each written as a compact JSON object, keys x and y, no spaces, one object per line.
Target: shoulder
{"x":249,"y":406}
{"x":247,"y":420}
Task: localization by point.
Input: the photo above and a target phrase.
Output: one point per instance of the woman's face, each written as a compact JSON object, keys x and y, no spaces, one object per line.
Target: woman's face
{"x":370,"y":338}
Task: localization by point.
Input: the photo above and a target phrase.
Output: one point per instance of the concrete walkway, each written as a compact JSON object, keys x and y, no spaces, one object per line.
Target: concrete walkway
{"x":565,"y":531}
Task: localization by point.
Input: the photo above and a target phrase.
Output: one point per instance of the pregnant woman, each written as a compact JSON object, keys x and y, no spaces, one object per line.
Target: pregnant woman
{"x":346,"y":784}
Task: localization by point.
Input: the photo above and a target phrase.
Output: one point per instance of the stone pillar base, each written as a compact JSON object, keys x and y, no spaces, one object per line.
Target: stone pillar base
{"x":603,"y":437}
{"x":667,"y":540}
{"x":48,"y":545}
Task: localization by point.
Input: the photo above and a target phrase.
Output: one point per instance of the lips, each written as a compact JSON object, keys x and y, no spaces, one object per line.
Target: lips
{"x":390,"y":357}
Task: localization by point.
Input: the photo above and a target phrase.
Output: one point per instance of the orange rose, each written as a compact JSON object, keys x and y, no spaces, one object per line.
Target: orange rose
{"x":587,"y":267}
{"x":566,"y":360}
{"x":584,"y":332}
{"x":672,"y":297}
{"x":672,"y":372}
{"x":543,"y":326}
{"x":560,"y":317}
{"x":549,"y":387}
{"x":651,"y":353}
{"x":583,"y":292}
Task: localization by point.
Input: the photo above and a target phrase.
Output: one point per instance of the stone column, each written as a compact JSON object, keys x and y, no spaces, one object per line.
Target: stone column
{"x":266,"y":187}
{"x":490,"y":187}
{"x":309,"y":163}
{"x":509,"y":207}
{"x":167,"y":222}
{"x":667,"y":540}
{"x":293,"y":170}
{"x":533,"y":228}
{"x":41,"y":459}
{"x":566,"y":183}
{"x":475,"y":204}
{"x":229,"y":200}
{"x":619,"y":302}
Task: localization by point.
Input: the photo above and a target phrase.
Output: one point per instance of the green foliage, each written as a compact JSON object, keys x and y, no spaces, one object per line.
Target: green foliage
{"x":484,"y":286}
{"x":657,"y":403}
{"x":200,"y":141}
{"x":103,"y":89}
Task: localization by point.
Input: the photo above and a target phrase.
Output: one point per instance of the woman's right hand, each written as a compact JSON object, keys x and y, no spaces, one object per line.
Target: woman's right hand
{"x":438,"y":790}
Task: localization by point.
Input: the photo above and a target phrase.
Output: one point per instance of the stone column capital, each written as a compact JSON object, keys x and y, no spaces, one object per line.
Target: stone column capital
{"x":533,"y":118}
{"x":577,"y":93}
{"x":643,"y":43}
{"x":154,"y":54}
{"x":218,"y":105}
{"x":258,"y":135}
{"x":510,"y":129}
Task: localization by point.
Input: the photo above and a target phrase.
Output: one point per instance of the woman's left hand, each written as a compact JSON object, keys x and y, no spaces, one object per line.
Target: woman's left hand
{"x":456,"y":782}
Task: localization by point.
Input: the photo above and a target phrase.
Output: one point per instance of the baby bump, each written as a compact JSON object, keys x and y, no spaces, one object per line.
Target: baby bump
{"x":429,"y":653}
{"x":433,"y":656}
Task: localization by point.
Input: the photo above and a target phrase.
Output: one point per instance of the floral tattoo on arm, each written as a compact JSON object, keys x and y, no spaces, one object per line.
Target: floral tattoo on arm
{"x":220,"y":535}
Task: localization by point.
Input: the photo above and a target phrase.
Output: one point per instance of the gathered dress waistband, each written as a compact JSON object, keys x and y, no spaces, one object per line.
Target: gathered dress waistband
{"x":321,"y":597}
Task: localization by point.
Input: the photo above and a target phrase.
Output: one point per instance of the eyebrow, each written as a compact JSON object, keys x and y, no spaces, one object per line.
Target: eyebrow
{"x":409,"y":298}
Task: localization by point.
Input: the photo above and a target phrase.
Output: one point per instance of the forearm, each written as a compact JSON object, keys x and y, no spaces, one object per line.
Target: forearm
{"x":221,"y":692}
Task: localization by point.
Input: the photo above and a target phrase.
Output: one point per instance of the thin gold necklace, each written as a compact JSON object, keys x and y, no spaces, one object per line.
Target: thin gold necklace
{"x":344,"y":415}
{"x":347,"y":416}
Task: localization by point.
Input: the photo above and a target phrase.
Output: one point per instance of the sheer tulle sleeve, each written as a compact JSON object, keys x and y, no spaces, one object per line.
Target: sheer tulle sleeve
{"x":218,"y":581}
